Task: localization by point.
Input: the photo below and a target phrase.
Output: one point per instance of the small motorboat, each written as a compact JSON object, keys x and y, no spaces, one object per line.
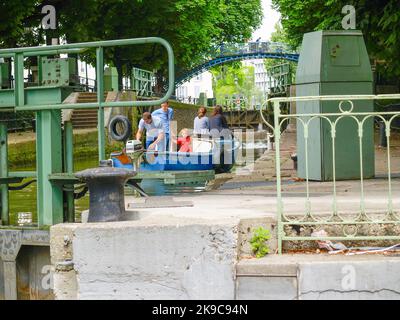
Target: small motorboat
{"x":208,"y":154}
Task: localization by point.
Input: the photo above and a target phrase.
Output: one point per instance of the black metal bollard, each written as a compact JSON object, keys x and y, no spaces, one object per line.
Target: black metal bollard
{"x":294,"y":158}
{"x":382,"y":134}
{"x":106,"y":188}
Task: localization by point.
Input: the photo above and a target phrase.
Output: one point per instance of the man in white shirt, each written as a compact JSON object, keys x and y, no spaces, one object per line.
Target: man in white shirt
{"x":154,"y":131}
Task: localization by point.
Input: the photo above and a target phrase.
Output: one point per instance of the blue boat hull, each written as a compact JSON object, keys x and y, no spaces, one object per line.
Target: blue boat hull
{"x":221,"y":159}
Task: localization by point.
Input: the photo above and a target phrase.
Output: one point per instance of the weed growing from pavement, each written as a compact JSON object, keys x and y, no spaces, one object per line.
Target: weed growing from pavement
{"x":258,"y":242}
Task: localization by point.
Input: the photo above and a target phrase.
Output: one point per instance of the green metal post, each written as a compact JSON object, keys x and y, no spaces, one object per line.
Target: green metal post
{"x":49,"y":160}
{"x":390,"y":194}
{"x":135,"y":116}
{"x":69,"y":168}
{"x":19,"y":80}
{"x":40,"y":67}
{"x":4,"y":173}
{"x":100,"y":100}
{"x":277,"y":135}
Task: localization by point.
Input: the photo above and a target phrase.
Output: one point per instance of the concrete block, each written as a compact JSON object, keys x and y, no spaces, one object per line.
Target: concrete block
{"x":84,"y":216}
{"x":266,"y":288}
{"x":1,"y":280}
{"x":40,"y":274}
{"x":265,"y":267}
{"x":34,"y":275}
{"x":142,"y":260}
{"x":65,"y":285}
{"x":61,"y":236}
{"x":350,"y":280}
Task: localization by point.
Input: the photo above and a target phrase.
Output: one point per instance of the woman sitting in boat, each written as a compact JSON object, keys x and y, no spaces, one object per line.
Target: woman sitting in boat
{"x":201,"y":124}
{"x":218,"y":122}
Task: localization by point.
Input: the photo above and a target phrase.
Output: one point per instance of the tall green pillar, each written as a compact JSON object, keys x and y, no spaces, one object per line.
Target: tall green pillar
{"x":69,"y":168}
{"x":334,"y":63}
{"x":49,"y":160}
{"x":4,"y":173}
{"x":100,"y":100}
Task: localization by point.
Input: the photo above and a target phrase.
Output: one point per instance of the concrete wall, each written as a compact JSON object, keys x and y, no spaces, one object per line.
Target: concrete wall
{"x":266,"y":288}
{"x":319,"y":277}
{"x":352,"y":280}
{"x":133,"y":260}
{"x":184,"y":115}
{"x":1,"y":280}
{"x":33,"y":274}
{"x":171,"y":258}
{"x":24,"y":259}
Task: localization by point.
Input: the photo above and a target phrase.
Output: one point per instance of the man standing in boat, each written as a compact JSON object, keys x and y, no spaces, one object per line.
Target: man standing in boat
{"x":154,"y":132}
{"x":166,"y":114}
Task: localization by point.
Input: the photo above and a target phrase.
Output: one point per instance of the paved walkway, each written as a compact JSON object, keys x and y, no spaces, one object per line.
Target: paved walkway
{"x":252,"y":192}
{"x":260,"y":200}
{"x":20,"y":137}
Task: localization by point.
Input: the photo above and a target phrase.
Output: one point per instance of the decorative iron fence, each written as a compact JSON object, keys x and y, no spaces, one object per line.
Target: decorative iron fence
{"x":357,"y":142}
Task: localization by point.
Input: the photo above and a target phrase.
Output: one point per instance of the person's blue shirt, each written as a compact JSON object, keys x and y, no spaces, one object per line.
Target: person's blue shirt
{"x":165,"y":117}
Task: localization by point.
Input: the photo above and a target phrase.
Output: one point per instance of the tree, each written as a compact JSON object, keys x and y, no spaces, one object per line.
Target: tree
{"x":280,"y":35}
{"x":378,"y":20}
{"x":14,"y":22}
{"x":191,"y":27}
{"x":234,"y":79}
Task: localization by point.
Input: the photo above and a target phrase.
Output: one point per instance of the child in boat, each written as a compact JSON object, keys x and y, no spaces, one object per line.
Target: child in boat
{"x":184,"y":142}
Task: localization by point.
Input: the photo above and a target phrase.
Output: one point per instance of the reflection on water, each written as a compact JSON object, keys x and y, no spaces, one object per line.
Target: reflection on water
{"x":25,"y":200}
{"x":155,"y":187}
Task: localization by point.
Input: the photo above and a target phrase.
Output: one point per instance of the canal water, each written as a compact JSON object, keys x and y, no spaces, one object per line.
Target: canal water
{"x":24,"y":201}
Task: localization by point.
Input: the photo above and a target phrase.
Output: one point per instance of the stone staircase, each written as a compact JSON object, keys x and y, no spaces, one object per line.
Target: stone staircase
{"x":264,"y":168}
{"x":85,"y":118}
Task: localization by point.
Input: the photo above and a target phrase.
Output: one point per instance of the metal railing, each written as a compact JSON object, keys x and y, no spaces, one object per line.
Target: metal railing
{"x":238,"y":51}
{"x":19,"y":53}
{"x":49,"y":137}
{"x":347,"y":226}
{"x":227,"y":49}
{"x":88,"y":84}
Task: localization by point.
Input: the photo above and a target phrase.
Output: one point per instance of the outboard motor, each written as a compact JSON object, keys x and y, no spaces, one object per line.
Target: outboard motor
{"x":134,"y":149}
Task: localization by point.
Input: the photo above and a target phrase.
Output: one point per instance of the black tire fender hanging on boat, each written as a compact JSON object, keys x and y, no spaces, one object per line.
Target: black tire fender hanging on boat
{"x":125,"y":133}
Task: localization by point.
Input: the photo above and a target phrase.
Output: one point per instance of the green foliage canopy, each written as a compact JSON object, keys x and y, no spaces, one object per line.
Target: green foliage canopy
{"x":378,"y":20}
{"x":191,"y":26}
{"x":234,"y":79}
{"x":14,"y":21}
{"x":280,"y":35}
